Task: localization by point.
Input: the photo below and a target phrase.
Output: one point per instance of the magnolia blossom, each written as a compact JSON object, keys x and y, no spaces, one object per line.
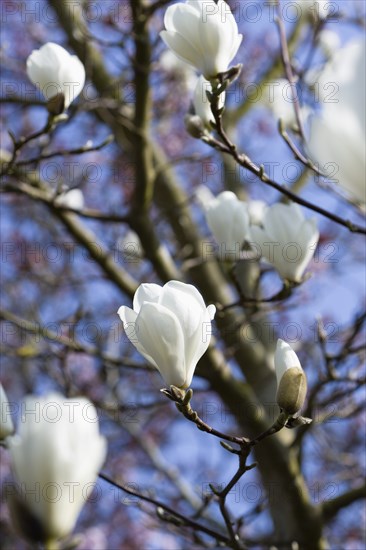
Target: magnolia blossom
{"x":203,"y":34}
{"x":329,"y":42}
{"x":58,"y":449}
{"x":337,"y":137}
{"x":341,"y":82}
{"x":201,"y":103}
{"x":203,"y":195}
{"x":337,"y":144}
{"x":71,"y":199}
{"x":256,"y":211}
{"x":228,"y":219}
{"x":287,"y":240}
{"x":6,"y":423}
{"x":291,"y":379}
{"x":55,"y":71}
{"x":171,"y":327}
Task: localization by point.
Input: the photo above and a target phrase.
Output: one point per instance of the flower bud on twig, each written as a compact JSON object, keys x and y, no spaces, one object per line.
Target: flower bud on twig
{"x":291,"y":379}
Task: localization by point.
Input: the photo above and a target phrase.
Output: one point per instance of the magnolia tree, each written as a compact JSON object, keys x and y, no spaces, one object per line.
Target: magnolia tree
{"x":183,"y":199}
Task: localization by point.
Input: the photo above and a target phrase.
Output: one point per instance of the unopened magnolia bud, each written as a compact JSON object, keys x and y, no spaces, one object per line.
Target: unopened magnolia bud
{"x":194,"y":126}
{"x":291,"y":391}
{"x":291,"y":379}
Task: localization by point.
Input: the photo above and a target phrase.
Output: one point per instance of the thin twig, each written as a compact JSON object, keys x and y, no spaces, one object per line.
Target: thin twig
{"x":228,"y":147}
{"x":288,"y":68}
{"x":187,"y":521}
{"x":77,"y":151}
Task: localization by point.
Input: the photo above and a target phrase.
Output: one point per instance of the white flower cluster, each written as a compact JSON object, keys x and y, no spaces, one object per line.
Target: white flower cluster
{"x":280,"y":233}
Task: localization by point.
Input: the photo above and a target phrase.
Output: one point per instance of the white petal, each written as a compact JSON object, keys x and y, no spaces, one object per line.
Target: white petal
{"x":278,"y":223}
{"x":186,"y":291}
{"x":284,"y":359}
{"x":72,"y":79}
{"x":211,"y":310}
{"x":128,"y":317}
{"x":197,"y":345}
{"x":160,"y":333}
{"x":182,"y":49}
{"x":191,"y":312}
{"x":185,"y":21}
{"x":228,"y":220}
{"x":146,"y":292}
{"x":337,"y":141}
{"x":308,"y":236}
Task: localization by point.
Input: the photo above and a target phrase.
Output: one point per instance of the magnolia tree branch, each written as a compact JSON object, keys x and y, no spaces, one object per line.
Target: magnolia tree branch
{"x":275,"y":68}
{"x":297,"y":153}
{"x":228,"y":147}
{"x":253,"y":360}
{"x":285,"y":54}
{"x":134,"y":132}
{"x":37,"y":190}
{"x":77,"y":151}
{"x":18,"y":144}
{"x":331,"y":508}
{"x":71,"y":344}
{"x":182,"y":400}
{"x":171,"y":515}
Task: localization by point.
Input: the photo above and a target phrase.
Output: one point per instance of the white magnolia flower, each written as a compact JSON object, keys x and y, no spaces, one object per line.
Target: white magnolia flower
{"x":341,"y":83}
{"x":287,"y":240}
{"x":71,"y":199}
{"x":203,"y":34}
{"x":55,"y":71}
{"x":171,"y":327}
{"x":55,"y":458}
{"x":256,"y":211}
{"x":228,"y":219}
{"x":337,"y":136}
{"x":329,"y":42}
{"x":201,"y":103}
{"x":337,"y":144}
{"x":6,"y":423}
{"x":203,"y":195}
{"x":291,"y":379}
